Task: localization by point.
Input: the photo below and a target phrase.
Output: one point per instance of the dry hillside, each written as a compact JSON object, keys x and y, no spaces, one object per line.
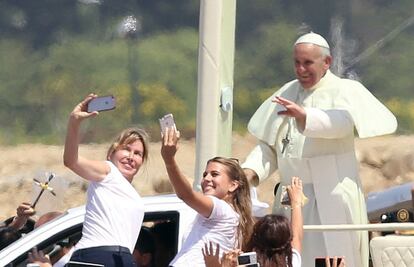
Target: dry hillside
{"x":384,"y":162}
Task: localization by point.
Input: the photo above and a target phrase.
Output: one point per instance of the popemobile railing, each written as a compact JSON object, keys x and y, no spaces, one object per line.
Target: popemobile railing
{"x":360,"y":227}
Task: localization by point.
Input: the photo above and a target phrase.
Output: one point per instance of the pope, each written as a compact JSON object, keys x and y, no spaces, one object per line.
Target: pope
{"x":306,"y":129}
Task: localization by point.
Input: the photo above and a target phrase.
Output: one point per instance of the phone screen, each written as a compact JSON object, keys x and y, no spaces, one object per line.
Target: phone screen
{"x":247,"y":258}
{"x":284,"y":197}
{"x":101,"y":103}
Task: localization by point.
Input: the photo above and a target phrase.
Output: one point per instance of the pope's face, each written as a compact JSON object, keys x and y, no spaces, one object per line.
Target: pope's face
{"x":310,"y":64}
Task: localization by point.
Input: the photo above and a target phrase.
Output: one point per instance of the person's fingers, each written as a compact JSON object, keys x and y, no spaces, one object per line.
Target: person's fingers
{"x":35,"y":252}
{"x":210,"y":252}
{"x":89,"y":98}
{"x":41,"y":254}
{"x":173,"y":138}
{"x":276,"y":100}
{"x":296,"y":182}
{"x":168,"y":136}
{"x":30,"y":257}
{"x":84,"y":103}
{"x":203,"y":251}
{"x":327,"y":263}
{"x":281,"y":100}
{"x":217,"y":250}
{"x":335,"y":261}
{"x":165,"y":137}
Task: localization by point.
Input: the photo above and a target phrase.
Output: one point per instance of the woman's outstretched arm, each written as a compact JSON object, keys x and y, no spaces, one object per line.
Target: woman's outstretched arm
{"x":196,"y":200}
{"x":89,"y":169}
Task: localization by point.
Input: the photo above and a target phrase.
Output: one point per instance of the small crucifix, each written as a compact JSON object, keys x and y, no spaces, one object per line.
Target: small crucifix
{"x":285,"y":142}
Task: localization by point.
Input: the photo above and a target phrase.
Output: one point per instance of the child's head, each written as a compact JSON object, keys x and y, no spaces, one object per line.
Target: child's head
{"x":271,"y":239}
{"x":225,"y":179}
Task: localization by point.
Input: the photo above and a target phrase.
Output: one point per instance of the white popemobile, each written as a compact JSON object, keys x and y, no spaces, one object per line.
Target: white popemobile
{"x":166,"y":209}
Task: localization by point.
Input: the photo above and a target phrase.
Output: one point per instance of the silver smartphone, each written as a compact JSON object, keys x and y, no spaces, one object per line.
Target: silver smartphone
{"x":247,"y":258}
{"x":102,"y":103}
{"x":167,"y":122}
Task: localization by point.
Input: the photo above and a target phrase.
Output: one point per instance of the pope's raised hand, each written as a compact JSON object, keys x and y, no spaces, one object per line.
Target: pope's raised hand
{"x":292,"y":110}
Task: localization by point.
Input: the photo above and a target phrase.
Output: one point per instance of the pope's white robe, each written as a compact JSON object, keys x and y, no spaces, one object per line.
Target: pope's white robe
{"x":323,"y":156}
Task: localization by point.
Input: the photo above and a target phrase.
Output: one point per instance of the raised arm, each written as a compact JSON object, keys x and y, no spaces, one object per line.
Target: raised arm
{"x":89,"y":169}
{"x":295,"y":191}
{"x":196,"y":200}
{"x":318,"y":123}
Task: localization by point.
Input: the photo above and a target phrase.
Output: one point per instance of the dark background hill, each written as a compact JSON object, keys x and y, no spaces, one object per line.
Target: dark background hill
{"x":53,"y":53}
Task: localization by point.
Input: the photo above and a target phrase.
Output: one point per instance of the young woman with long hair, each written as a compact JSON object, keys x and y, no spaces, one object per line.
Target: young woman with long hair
{"x":224,"y":205}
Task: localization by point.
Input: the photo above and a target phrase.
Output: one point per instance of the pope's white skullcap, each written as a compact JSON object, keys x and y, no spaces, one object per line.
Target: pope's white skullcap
{"x":312,"y":38}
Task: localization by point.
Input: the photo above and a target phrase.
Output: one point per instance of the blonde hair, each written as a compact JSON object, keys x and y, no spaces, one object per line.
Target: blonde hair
{"x":129,"y":136}
{"x":240,"y":197}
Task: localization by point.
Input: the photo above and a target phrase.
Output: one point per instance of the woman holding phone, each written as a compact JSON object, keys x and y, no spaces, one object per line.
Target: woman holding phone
{"x":114,"y":210}
{"x":223,"y":207}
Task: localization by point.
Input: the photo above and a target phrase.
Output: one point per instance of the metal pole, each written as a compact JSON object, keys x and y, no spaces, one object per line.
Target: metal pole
{"x":215,"y":82}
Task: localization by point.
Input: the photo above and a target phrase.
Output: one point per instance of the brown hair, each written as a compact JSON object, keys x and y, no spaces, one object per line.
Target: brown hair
{"x":241,"y":197}
{"x":271,"y":240}
{"x":129,"y":136}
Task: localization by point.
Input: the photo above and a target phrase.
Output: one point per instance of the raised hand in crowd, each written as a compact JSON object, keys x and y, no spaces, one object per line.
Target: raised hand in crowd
{"x":23,"y":212}
{"x":37,"y":256}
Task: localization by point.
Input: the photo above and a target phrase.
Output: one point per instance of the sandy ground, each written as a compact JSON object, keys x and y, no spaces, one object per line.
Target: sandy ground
{"x":384,"y":162}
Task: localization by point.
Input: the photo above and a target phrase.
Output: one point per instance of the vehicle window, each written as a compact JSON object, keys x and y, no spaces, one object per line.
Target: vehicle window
{"x":163,"y":225}
{"x":54,"y":246}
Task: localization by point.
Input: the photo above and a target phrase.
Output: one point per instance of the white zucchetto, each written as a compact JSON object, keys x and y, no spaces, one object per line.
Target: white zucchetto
{"x":312,"y":38}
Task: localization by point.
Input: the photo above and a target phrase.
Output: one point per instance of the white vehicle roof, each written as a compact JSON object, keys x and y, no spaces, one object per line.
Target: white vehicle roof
{"x":75,"y":216}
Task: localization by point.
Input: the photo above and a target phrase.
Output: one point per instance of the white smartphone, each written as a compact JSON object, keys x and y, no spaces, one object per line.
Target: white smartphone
{"x":102,"y":103}
{"x":167,"y":122}
{"x":247,"y":258}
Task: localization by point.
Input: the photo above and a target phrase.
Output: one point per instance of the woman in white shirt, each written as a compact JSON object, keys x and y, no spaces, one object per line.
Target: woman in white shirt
{"x":223,"y":207}
{"x":114,"y":210}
